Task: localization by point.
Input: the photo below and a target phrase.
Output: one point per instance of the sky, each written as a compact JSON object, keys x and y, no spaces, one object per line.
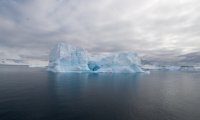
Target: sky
{"x":164,"y":31}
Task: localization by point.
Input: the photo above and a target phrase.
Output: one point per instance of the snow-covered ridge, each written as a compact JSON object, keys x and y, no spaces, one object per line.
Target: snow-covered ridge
{"x":19,"y":61}
{"x":170,"y":68}
{"x":6,"y":61}
{"x":67,"y":58}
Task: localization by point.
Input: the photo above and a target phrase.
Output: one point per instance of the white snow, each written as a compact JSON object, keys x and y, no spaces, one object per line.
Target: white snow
{"x":37,"y":66}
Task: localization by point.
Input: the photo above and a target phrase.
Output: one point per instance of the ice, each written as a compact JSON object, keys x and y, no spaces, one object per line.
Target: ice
{"x":93,"y":66}
{"x":37,"y":66}
{"x":66,"y":58}
{"x":170,"y":68}
{"x":122,"y":62}
{"x":188,"y":68}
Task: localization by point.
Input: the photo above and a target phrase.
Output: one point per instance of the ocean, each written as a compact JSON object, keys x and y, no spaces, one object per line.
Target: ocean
{"x":36,"y":94}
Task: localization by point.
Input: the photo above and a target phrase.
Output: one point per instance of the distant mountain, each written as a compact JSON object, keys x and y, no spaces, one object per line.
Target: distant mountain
{"x":30,"y":63}
{"x":6,"y":61}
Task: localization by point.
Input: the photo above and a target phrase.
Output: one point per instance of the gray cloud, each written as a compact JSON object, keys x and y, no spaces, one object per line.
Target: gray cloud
{"x":153,"y":28}
{"x":191,"y":58}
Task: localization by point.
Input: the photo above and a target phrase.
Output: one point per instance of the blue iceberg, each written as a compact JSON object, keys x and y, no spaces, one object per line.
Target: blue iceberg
{"x":67,"y":58}
{"x":122,"y":62}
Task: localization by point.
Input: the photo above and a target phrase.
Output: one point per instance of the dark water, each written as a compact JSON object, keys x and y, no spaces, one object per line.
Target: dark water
{"x":35,"y":94}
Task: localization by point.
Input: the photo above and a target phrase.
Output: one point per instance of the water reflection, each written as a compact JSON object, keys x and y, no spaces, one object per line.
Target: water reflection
{"x":27,"y":94}
{"x":84,"y":80}
{"x":125,"y":96}
{"x":84,"y":84}
{"x":89,"y":93}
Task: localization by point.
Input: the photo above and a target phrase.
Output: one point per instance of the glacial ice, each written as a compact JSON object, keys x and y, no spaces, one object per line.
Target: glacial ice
{"x":66,"y":58}
{"x":122,"y":62}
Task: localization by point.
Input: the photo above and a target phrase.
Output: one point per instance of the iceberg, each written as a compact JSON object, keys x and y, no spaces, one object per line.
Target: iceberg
{"x":188,"y":68}
{"x":171,"y":68}
{"x":122,"y":62}
{"x":37,"y":66}
{"x":67,"y":58}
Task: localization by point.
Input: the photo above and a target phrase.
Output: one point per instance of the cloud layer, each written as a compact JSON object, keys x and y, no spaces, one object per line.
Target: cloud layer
{"x":163,"y":29}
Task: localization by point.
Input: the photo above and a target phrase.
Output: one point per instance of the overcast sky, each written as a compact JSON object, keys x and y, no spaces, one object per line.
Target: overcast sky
{"x":165,"y":29}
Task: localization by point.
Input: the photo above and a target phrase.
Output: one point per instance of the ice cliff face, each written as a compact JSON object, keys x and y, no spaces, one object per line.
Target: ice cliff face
{"x":66,"y":58}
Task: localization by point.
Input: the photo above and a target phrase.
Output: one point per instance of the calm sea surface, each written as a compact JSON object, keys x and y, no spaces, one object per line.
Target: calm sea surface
{"x":35,"y":94}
